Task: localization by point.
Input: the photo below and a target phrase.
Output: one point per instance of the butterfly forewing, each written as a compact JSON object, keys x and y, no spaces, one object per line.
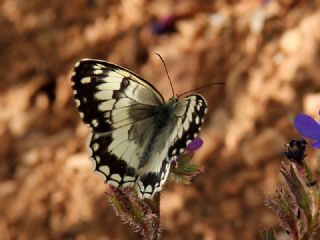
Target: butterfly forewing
{"x":106,"y":94}
{"x":132,"y":143}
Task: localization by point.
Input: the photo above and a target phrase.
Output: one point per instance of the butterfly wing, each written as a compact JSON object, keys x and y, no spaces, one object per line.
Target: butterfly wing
{"x":109,"y":97}
{"x":190,"y":117}
{"x":184,"y":126}
{"x":118,"y":107}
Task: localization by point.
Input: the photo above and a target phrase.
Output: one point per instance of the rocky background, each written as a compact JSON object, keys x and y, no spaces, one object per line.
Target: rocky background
{"x":266,"y":52}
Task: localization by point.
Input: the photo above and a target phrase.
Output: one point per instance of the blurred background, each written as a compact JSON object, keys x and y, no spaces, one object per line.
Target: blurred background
{"x":266,"y":53}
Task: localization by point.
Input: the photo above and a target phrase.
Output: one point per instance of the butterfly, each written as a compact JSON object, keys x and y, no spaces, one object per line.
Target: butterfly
{"x":135,"y":133}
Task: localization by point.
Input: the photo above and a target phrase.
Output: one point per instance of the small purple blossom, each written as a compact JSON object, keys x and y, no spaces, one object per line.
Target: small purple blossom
{"x":195,"y":144}
{"x":265,"y":2}
{"x":165,"y":25}
{"x":309,"y":128}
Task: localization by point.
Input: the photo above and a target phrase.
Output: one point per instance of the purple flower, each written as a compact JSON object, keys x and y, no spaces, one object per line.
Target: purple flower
{"x":309,"y":128}
{"x":166,"y":25}
{"x":195,"y":144}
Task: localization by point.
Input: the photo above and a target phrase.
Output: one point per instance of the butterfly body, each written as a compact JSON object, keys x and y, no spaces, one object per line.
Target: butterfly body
{"x":135,"y":133}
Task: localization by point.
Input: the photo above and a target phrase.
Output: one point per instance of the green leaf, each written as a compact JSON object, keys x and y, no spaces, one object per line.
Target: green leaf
{"x":285,"y":208}
{"x":298,"y":190}
{"x":185,"y":169}
{"x":268,"y":234}
{"x":309,"y":178}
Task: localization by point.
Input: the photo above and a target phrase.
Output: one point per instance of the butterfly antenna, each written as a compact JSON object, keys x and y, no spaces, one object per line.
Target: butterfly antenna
{"x":165,"y":67}
{"x":208,"y":85}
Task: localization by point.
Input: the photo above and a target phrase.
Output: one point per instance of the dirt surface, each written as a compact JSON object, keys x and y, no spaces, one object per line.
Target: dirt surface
{"x":266,"y":53}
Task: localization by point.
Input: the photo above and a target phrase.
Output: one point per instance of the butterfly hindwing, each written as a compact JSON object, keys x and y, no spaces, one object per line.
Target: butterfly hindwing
{"x":133,"y":141}
{"x":116,"y":155}
{"x":191,"y":121}
{"x":187,"y":121}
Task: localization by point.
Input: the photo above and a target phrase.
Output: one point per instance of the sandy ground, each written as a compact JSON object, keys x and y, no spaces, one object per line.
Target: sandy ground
{"x":265,"y":52}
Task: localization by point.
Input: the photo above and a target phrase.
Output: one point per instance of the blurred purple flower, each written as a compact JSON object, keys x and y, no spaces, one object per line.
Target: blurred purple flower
{"x":309,"y":128}
{"x":165,"y":25}
{"x":265,"y":2}
{"x":195,"y":144}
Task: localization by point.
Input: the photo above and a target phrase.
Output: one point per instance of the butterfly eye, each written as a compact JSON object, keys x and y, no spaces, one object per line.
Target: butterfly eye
{"x":175,"y":99}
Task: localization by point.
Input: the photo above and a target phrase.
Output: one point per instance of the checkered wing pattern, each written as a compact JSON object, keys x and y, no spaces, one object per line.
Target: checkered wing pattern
{"x":134,"y":133}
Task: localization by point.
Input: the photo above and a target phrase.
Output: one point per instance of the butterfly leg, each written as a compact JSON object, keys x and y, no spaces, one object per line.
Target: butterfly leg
{"x":173,"y":161}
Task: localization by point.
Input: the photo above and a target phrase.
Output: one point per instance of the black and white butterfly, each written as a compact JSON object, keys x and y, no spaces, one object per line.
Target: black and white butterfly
{"x":135,"y":133}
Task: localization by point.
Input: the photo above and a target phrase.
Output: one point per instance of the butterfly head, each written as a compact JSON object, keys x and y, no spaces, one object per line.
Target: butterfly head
{"x":173,"y":101}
